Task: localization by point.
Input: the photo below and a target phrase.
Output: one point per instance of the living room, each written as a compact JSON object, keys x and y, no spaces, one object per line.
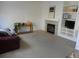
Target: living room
{"x":41,"y":14}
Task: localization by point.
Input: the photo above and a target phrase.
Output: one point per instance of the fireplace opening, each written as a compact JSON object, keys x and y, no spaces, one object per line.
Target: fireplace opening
{"x":51,"y":28}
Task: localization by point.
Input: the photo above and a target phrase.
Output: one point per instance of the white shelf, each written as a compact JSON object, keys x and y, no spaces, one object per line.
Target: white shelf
{"x":70,"y":19}
{"x":63,"y":28}
{"x":70,"y":12}
{"x":68,"y":33}
{"x":67,"y":37}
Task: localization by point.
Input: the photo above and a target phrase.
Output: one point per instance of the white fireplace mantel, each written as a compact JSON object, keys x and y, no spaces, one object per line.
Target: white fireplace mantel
{"x":52,"y":19}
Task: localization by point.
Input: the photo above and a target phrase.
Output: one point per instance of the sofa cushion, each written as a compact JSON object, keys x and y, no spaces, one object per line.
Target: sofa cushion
{"x":7,"y":30}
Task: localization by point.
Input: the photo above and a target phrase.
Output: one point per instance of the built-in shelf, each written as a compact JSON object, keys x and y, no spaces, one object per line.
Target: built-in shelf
{"x":68,"y":32}
{"x":69,"y":15}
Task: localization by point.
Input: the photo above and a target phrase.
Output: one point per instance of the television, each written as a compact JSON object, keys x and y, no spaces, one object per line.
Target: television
{"x":69,"y":24}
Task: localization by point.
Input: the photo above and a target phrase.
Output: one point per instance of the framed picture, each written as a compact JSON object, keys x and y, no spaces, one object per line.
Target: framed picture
{"x":52,"y":9}
{"x":51,"y":12}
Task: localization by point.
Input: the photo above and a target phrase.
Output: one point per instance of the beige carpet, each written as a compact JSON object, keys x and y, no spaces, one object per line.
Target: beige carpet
{"x":40,"y":44}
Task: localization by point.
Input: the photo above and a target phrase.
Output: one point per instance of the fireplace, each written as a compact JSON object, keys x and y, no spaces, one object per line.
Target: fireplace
{"x":51,"y":28}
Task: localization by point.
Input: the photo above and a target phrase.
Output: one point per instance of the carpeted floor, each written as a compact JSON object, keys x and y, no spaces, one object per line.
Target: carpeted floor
{"x":40,"y":44}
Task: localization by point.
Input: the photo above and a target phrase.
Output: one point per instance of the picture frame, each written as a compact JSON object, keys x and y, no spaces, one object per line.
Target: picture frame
{"x":52,"y":9}
{"x":51,"y":12}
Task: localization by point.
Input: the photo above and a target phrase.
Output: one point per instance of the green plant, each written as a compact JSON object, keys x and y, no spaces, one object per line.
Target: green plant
{"x":17,"y":26}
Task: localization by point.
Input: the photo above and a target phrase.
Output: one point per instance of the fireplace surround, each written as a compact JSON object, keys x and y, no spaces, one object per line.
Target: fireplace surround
{"x":51,"y":26}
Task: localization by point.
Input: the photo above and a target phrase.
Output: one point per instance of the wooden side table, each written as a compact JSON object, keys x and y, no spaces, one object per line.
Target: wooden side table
{"x":30,"y":25}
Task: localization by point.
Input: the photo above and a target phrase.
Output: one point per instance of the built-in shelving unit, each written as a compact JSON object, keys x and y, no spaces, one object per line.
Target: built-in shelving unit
{"x":68,"y":21}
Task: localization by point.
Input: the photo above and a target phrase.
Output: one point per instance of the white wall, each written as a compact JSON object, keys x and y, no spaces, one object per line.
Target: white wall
{"x":11,"y":12}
